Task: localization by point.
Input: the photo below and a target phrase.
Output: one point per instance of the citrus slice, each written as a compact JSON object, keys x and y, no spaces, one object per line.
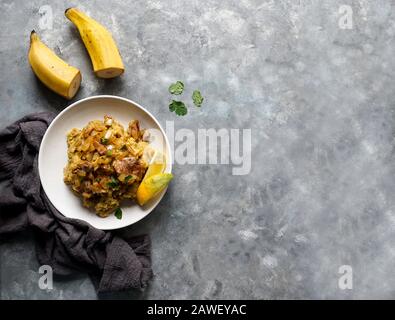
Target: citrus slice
{"x":151,"y":186}
{"x":157,"y":165}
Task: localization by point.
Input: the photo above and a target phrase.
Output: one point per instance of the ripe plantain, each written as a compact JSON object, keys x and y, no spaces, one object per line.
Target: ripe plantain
{"x":55,"y":73}
{"x":103,"y":51}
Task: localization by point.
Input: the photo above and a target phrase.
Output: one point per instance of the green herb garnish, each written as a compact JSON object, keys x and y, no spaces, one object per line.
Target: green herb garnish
{"x":178,"y":107}
{"x":176,"y":88}
{"x":109,"y":153}
{"x":197,"y":98}
{"x":118,"y":213}
{"x":113,"y":183}
{"x":104,"y":140}
{"x":128,"y":178}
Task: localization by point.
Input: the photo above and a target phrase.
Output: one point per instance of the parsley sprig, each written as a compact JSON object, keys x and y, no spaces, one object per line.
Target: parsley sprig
{"x":197,"y":98}
{"x":127,"y":178}
{"x":118,"y":213}
{"x":176,"y":88}
{"x":114,"y":183}
{"x":178,"y":107}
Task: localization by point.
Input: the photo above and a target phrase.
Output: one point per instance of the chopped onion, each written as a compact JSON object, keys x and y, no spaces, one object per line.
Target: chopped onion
{"x":147,"y":136}
{"x":108,"y":134}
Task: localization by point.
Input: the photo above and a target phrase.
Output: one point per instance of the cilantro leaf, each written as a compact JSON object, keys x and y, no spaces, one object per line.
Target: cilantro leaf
{"x":197,"y":98}
{"x":104,"y":140}
{"x":118,"y":213}
{"x":114,"y":183}
{"x":178,"y":107}
{"x":128,"y":178}
{"x":176,"y":88}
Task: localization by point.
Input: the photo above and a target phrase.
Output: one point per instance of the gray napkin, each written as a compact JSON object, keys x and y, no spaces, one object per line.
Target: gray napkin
{"x":67,"y":245}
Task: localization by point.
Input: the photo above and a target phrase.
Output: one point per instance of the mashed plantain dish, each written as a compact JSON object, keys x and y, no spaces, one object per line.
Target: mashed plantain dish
{"x":106,"y":163}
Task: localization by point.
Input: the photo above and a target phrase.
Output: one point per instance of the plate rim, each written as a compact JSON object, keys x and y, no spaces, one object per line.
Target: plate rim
{"x":73,"y":105}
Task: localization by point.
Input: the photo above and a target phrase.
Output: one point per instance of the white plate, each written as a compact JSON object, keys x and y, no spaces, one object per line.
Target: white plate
{"x":53,"y":156}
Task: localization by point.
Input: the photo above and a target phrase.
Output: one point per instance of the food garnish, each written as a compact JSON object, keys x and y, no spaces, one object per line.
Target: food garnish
{"x":118,"y":213}
{"x":152,"y":186}
{"x":176,"y":88}
{"x":149,"y":188}
{"x":178,"y":107}
{"x":113,"y":183}
{"x":197,"y":98}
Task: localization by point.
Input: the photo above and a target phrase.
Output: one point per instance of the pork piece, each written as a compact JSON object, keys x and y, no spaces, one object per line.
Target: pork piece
{"x":83,"y":169}
{"x":86,"y":187}
{"x":129,"y":166}
{"x":104,"y":170}
{"x":138,"y":170}
{"x":86,"y":166}
{"x":88,"y":131}
{"x":134,"y":129}
{"x":125,"y":165}
{"x":99,"y":147}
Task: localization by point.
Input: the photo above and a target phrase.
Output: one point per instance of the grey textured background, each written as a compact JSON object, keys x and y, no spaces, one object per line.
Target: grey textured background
{"x":320,"y":103}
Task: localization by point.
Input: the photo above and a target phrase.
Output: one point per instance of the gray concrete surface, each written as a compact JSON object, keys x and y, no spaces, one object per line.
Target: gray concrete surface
{"x":320,"y":101}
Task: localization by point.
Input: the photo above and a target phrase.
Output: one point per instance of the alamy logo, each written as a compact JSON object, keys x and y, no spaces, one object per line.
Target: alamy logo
{"x":46,"y":17}
{"x":46,"y":280}
{"x":345,"y":21}
{"x":345,"y":280}
{"x":209,"y":146}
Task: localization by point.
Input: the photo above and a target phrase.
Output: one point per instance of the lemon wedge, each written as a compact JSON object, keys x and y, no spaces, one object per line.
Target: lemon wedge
{"x":151,"y":186}
{"x":154,"y":180}
{"x":157,"y":165}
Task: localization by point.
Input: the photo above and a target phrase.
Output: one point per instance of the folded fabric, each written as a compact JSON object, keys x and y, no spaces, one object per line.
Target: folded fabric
{"x":67,"y":245}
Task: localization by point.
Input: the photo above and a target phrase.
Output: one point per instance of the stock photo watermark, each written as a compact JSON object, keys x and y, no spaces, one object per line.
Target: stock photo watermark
{"x":45,"y":21}
{"x":207,"y":146}
{"x":45,"y":282}
{"x":346,"y":18}
{"x":345,"y":281}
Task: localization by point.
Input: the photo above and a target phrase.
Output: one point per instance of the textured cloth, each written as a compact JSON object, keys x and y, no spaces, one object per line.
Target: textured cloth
{"x":67,"y":245}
